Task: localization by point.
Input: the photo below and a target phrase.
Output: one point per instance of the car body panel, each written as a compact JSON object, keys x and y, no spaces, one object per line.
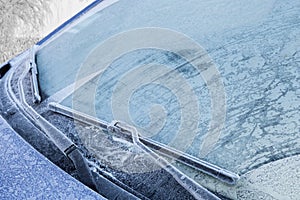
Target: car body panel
{"x":27,"y":174}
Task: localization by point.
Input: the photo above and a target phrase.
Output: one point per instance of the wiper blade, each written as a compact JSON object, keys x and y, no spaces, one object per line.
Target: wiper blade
{"x":198,"y":164}
{"x":34,"y":77}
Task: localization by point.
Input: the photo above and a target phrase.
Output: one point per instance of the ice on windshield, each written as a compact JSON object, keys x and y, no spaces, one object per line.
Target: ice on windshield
{"x":255,"y":49}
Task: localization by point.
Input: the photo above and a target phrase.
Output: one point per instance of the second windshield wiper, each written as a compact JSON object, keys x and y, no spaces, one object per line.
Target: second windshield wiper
{"x":95,"y":181}
{"x":34,"y":77}
{"x":198,"y":164}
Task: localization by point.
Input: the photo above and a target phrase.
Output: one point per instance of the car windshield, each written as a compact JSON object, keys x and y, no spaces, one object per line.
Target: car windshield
{"x":218,"y":80}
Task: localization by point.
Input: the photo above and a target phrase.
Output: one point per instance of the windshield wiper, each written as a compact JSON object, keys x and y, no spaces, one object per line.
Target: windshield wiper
{"x":198,"y":164}
{"x":96,"y":182}
{"x":34,"y":76}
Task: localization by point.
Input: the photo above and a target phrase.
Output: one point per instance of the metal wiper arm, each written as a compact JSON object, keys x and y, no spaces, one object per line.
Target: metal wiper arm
{"x":198,"y":164}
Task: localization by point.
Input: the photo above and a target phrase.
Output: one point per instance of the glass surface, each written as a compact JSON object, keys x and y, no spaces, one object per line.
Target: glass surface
{"x":254,"y":45}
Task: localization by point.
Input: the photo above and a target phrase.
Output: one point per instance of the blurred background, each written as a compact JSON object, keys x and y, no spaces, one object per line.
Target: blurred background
{"x":24,"y":22}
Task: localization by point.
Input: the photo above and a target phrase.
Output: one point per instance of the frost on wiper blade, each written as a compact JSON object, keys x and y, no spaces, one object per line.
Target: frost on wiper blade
{"x":122,"y":129}
{"x":198,"y":164}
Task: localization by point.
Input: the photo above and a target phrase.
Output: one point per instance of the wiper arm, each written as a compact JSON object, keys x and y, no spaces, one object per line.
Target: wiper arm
{"x":198,"y":164}
{"x":189,"y":184}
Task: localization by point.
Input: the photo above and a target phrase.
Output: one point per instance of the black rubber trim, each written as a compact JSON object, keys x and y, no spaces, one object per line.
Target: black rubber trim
{"x":82,"y":167}
{"x":95,"y":181}
{"x":4,"y":69}
{"x":71,"y":20}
